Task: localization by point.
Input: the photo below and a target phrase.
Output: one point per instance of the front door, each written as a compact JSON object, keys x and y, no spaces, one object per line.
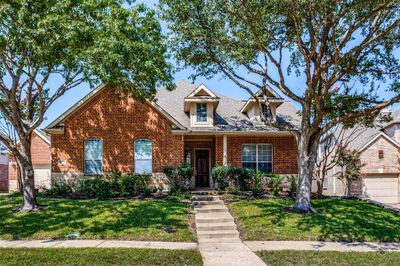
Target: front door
{"x":202,"y":168}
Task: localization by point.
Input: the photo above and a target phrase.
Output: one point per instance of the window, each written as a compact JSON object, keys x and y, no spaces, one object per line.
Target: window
{"x":143,"y":156}
{"x":265,"y":111}
{"x":201,"y":112}
{"x":325,"y":183}
{"x":380,"y":154}
{"x":93,"y":157}
{"x":257,"y":157}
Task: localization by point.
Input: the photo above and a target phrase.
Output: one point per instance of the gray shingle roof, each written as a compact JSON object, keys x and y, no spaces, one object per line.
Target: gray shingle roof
{"x":363,"y":135}
{"x":227,"y":116}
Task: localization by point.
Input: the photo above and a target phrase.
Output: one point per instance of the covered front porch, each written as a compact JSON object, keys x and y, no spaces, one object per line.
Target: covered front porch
{"x":265,"y":151}
{"x":199,"y":152}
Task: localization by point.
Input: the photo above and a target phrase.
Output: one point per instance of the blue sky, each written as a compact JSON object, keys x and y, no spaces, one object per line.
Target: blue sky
{"x":217,"y":84}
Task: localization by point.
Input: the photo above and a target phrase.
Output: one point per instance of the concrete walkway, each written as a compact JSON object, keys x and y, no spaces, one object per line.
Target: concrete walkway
{"x":323,"y":246}
{"x":95,"y":244}
{"x":218,"y":237}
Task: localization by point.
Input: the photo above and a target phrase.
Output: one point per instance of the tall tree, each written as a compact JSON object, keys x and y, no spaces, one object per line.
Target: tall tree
{"x":67,"y":43}
{"x":339,"y":50}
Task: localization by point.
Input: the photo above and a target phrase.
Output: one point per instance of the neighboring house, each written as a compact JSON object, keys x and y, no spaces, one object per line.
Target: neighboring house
{"x":41,"y":160}
{"x":380,"y":156}
{"x":192,"y":124}
{"x":3,"y":169}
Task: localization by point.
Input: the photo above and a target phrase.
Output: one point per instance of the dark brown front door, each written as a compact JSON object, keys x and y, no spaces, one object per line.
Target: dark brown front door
{"x":202,"y":168}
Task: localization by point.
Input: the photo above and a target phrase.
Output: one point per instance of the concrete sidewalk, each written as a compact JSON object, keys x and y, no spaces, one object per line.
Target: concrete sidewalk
{"x":323,"y":246}
{"x":95,"y":244}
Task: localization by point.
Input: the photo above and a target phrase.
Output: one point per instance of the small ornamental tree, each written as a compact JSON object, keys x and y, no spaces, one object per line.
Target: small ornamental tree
{"x":350,"y":168}
{"x":337,"y":54}
{"x":68,"y":43}
{"x":330,"y":148}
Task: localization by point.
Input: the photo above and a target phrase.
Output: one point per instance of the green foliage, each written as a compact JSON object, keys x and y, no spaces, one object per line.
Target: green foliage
{"x":61,"y":189}
{"x":221,"y":175}
{"x":129,"y":184}
{"x":237,"y":178}
{"x":350,"y":167}
{"x":94,"y":188}
{"x":274,"y":183}
{"x":179,"y":178}
{"x":292,"y":186}
{"x":257,"y":184}
{"x":257,"y":35}
{"x":111,"y":185}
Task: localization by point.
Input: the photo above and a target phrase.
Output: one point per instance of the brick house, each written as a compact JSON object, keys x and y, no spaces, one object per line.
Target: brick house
{"x":41,"y":161}
{"x":3,"y":169}
{"x":192,"y":124}
{"x":379,"y":149}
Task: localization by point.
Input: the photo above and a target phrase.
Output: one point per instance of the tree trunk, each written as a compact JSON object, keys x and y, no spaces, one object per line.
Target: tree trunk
{"x":27,"y":176}
{"x":320,"y":182}
{"x":307,"y":155}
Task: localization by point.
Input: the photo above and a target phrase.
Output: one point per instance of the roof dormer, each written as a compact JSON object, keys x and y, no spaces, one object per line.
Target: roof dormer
{"x":251,"y":107}
{"x":201,"y":104}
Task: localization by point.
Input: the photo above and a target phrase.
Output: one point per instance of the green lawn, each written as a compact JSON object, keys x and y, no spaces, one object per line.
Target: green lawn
{"x":99,"y":256}
{"x":292,"y":257}
{"x":336,"y":220}
{"x":93,"y":219}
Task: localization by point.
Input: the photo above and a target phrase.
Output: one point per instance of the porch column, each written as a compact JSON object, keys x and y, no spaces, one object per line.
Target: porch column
{"x":225,"y":150}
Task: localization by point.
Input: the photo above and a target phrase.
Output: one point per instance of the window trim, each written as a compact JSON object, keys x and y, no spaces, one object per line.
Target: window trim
{"x":84,"y":157}
{"x":202,"y":122}
{"x":134,"y":159}
{"x":325,"y":183}
{"x":256,"y":144}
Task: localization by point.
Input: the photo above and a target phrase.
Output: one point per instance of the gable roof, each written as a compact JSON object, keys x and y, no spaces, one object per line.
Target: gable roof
{"x":228,"y":115}
{"x":204,"y":89}
{"x":43,"y":135}
{"x":58,"y":122}
{"x":367,"y":135}
{"x":380,"y":135}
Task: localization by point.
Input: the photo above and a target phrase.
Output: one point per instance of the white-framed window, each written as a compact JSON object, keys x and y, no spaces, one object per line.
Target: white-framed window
{"x":325,"y":184}
{"x":93,"y":150}
{"x":257,"y":157}
{"x":143,"y":156}
{"x":201,"y":112}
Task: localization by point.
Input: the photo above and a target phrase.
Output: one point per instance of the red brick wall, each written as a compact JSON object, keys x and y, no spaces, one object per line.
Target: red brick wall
{"x":12,"y":168}
{"x":3,"y":177}
{"x":284,"y":151}
{"x":118,"y":123}
{"x":40,"y":150}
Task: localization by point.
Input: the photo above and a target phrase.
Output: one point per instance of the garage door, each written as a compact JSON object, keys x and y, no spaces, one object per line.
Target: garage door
{"x":42,"y":178}
{"x":382,"y":188}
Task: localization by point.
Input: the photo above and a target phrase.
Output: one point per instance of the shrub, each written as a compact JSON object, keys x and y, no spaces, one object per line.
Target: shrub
{"x":59,"y":190}
{"x":293,"y":186}
{"x":94,"y":188}
{"x":129,"y":184}
{"x":221,"y":175}
{"x":228,"y":176}
{"x":274,"y":184}
{"x":179,"y":178}
{"x":257,"y":184}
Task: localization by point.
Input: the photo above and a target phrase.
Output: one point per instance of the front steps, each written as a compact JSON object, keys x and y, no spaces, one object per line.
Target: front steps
{"x":213,"y":221}
{"x":217,"y":235}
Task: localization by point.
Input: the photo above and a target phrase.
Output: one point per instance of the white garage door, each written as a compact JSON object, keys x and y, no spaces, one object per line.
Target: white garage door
{"x":42,"y":178}
{"x":382,"y":188}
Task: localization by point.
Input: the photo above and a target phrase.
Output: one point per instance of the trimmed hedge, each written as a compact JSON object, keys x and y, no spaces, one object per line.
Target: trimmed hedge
{"x":111,"y":185}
